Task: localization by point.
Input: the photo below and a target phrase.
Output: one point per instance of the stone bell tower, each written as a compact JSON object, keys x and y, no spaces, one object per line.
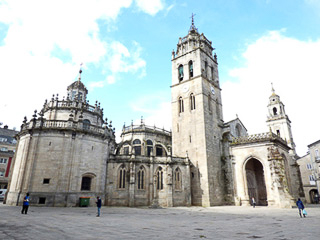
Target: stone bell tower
{"x":197,"y":115}
{"x":278,"y":121}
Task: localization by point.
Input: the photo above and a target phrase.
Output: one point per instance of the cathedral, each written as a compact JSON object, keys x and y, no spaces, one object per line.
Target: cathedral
{"x":68,"y":151}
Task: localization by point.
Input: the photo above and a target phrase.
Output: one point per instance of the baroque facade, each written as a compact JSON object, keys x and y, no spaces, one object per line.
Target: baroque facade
{"x":68,"y":151}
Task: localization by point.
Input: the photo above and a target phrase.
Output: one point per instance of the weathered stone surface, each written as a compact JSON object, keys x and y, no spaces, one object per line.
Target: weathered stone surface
{"x":167,"y":223}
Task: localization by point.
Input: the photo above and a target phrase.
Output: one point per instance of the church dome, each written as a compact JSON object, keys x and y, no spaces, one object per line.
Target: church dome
{"x":77,"y":85}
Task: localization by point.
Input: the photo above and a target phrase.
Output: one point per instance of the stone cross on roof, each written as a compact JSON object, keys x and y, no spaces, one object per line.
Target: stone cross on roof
{"x":193,"y":27}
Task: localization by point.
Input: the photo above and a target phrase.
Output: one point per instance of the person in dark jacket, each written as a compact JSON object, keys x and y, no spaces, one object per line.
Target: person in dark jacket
{"x":98,"y":202}
{"x":300,"y":206}
{"x":25,"y":205}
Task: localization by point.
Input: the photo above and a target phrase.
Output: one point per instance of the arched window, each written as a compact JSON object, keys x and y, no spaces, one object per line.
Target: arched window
{"x":274,"y":111}
{"x":192,"y":102}
{"x":238,"y":130}
{"x":141,"y":178}
{"x":181,"y":107}
{"x":137,"y":147}
{"x":180,"y":72}
{"x":79,"y":96}
{"x":126,"y":149}
{"x":159,"y":178}
{"x":190,"y":69}
{"x":122,"y":177}
{"x":86,"y":184}
{"x":86,"y":124}
{"x":160,"y":151}
{"x":212,"y":73}
{"x":149,"y":148}
{"x":205,"y":68}
{"x":177,"y":178}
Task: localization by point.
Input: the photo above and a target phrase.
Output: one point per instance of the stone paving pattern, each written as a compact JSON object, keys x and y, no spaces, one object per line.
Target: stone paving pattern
{"x":227,"y":222}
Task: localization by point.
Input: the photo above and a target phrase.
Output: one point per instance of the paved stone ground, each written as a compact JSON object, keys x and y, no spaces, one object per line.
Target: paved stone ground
{"x":227,"y":222}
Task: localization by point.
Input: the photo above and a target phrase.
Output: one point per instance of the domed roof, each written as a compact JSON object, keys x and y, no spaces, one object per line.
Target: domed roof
{"x":77,"y":85}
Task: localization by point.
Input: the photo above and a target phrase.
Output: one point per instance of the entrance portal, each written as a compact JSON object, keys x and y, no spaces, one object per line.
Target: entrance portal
{"x":255,"y":182}
{"x":314,"y":196}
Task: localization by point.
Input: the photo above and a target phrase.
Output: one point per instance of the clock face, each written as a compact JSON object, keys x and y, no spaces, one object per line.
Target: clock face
{"x":185,"y":88}
{"x":212,"y":90}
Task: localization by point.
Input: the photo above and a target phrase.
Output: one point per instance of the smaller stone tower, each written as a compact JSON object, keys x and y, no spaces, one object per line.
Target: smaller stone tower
{"x":77,"y":91}
{"x":278,"y":121}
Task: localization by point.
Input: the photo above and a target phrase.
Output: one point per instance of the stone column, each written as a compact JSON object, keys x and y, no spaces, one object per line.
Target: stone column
{"x":132,"y":184}
{"x":150,"y":186}
{"x":186,"y":184}
{"x":169,"y":186}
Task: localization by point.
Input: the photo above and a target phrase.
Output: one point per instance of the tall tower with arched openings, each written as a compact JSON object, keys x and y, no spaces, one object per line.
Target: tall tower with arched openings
{"x":197,"y":115}
{"x":278,"y":121}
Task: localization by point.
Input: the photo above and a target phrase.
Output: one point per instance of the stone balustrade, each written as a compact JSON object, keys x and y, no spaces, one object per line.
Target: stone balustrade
{"x":144,"y":127}
{"x":67,"y":125}
{"x":257,"y":138}
{"x":71,"y":105}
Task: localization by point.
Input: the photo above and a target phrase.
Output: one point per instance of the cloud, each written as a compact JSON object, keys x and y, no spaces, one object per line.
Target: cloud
{"x":151,"y":7}
{"x":292,"y":66}
{"x":315,"y":3}
{"x":168,"y":9}
{"x":111,"y":79}
{"x":44,"y":43}
{"x":123,"y":60}
{"x":93,"y":85}
{"x":156,"y":110}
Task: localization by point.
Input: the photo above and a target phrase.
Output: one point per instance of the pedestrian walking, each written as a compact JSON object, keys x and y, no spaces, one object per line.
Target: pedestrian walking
{"x":98,"y":202}
{"x":25,"y":205}
{"x":300,"y":206}
{"x":253,"y":202}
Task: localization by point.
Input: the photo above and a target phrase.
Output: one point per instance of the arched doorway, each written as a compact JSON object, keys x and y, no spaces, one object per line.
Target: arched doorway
{"x":255,"y":182}
{"x":314,"y":196}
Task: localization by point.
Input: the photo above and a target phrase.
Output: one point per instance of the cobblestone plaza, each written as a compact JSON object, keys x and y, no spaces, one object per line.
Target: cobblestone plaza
{"x":227,"y":222}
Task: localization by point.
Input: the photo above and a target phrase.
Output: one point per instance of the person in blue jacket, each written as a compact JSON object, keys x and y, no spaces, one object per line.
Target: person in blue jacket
{"x":300,"y":206}
{"x":25,"y":205}
{"x":98,"y":202}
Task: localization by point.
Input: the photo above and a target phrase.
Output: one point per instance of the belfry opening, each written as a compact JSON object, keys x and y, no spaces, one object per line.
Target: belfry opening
{"x":255,"y":182}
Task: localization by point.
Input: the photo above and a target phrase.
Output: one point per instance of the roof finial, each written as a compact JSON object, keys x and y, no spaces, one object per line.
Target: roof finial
{"x":272,"y":89}
{"x":193,"y":27}
{"x":192,"y":19}
{"x":80,"y":71}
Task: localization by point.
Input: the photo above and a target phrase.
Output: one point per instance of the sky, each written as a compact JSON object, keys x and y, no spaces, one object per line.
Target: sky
{"x":125,"y":47}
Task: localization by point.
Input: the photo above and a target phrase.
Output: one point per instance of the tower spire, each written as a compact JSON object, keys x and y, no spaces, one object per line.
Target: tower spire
{"x":193,"y":27}
{"x":80,"y":71}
